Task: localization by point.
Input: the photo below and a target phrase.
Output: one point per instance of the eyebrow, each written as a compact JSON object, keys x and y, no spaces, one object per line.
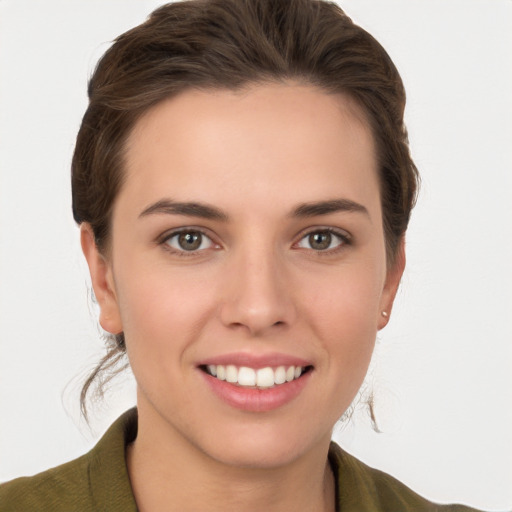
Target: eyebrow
{"x":205,"y":211}
{"x":190,"y":209}
{"x":326,"y":207}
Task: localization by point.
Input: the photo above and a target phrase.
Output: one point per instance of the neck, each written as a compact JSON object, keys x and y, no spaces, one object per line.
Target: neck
{"x":167,"y":472}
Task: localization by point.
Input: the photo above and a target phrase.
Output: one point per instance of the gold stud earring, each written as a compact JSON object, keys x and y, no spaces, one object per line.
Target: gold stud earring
{"x":384,"y":314}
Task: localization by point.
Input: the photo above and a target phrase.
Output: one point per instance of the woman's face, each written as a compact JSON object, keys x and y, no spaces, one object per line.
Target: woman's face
{"x":247,"y":242}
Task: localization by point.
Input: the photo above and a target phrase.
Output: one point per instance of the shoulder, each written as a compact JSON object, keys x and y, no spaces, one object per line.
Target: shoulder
{"x":360,"y":487}
{"x":96,"y":481}
{"x":62,"y":488}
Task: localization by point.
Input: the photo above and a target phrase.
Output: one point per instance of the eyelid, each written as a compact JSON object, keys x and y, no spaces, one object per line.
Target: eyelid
{"x":344,"y":236}
{"x":168,"y":235}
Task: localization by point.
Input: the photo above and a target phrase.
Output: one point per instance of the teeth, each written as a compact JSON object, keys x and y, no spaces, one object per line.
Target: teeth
{"x":246,"y":376}
{"x":231,"y":373}
{"x":265,"y":377}
{"x":221,"y":372}
{"x":280,"y":375}
{"x":249,"y":377}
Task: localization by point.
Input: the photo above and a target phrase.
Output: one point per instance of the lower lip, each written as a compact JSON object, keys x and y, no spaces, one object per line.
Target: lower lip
{"x":257,"y":400}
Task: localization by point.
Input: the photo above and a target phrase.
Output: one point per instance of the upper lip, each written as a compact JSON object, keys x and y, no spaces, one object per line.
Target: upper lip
{"x":255,"y":360}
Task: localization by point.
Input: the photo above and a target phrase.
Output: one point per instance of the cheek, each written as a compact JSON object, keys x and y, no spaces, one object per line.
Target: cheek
{"x":347,"y":299}
{"x":343,"y":310}
{"x":340,"y":316}
{"x":159,"y":306}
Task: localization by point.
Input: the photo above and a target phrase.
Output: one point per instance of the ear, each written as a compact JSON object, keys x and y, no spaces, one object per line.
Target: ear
{"x":393,"y":278}
{"x":102,"y":281}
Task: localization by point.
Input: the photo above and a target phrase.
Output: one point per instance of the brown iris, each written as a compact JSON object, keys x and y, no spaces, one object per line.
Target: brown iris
{"x":320,"y":240}
{"x":190,"y":240}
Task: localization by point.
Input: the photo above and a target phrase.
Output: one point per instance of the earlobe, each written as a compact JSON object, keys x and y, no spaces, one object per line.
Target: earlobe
{"x":102,"y":282}
{"x":393,"y":278}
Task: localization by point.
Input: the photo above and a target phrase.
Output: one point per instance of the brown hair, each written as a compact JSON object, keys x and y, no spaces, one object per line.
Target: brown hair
{"x":230,"y":44}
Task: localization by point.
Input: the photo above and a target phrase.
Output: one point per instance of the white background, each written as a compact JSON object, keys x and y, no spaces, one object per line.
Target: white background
{"x":443,"y":367}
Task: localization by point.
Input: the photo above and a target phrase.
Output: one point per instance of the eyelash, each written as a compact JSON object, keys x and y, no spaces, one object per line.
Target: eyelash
{"x":344,"y":239}
{"x":167,"y":237}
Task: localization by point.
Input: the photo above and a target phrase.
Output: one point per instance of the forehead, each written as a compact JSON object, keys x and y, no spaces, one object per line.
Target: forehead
{"x":265,"y":139}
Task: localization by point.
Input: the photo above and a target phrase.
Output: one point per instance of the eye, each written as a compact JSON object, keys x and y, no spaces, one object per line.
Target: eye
{"x":323,"y":240}
{"x":189,"y":241}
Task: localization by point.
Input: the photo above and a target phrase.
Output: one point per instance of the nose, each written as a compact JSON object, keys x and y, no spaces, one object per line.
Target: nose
{"x":257,"y":296}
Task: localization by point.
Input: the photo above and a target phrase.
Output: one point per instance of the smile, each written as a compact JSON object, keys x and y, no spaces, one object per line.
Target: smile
{"x":261,"y":378}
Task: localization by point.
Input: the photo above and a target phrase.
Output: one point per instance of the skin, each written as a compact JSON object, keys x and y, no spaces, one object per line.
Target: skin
{"x":256,"y":285}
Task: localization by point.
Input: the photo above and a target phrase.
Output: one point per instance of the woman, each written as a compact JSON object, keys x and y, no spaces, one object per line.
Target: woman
{"x":242,"y":208}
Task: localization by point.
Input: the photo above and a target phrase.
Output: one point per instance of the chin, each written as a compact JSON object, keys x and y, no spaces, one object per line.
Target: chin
{"x":264,"y":446}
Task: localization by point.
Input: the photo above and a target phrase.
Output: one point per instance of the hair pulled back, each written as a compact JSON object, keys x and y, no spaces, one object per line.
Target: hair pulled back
{"x":212,"y":44}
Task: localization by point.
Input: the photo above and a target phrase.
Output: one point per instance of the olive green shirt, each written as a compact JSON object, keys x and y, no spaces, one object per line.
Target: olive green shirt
{"x":98,"y":481}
